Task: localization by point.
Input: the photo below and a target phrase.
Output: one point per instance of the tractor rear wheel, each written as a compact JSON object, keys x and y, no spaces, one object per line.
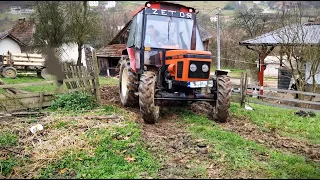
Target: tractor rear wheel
{"x":9,"y":72}
{"x":147,"y":87}
{"x":222,"y":105}
{"x":128,"y":85}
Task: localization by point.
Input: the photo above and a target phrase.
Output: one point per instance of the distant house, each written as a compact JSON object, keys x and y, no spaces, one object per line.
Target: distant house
{"x":15,"y":9}
{"x":9,"y":43}
{"x":110,"y":4}
{"x":93,"y":3}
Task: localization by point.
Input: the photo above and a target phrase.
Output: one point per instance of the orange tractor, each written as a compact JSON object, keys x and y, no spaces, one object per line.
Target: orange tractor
{"x":165,"y":59}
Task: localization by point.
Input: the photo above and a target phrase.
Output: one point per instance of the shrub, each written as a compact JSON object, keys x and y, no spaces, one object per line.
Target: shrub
{"x":74,"y":102}
{"x":229,"y":6}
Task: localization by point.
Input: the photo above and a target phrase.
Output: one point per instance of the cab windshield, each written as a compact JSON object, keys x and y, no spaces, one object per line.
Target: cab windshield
{"x":170,"y":33}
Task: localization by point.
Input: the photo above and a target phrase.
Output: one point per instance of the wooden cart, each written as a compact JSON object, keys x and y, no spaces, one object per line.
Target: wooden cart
{"x":11,"y":62}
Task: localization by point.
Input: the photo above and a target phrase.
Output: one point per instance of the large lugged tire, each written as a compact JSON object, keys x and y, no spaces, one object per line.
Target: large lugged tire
{"x":9,"y":72}
{"x":150,"y":112}
{"x":222,"y":106}
{"x":128,"y":85}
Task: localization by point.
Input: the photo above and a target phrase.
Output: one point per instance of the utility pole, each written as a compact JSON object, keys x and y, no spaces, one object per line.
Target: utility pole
{"x":218,"y":39}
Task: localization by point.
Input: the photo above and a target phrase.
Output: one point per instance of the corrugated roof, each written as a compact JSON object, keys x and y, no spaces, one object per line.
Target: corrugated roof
{"x":295,"y":34}
{"x":204,"y":34}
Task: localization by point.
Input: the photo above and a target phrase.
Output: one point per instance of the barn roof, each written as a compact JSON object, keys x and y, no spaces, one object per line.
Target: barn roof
{"x":296,"y":34}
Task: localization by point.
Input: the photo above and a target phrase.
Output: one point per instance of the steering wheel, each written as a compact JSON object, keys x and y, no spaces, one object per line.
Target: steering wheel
{"x":165,"y":41}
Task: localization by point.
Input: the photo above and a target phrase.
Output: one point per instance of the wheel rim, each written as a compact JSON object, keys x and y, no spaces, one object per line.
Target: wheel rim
{"x":124,"y":82}
{"x":10,"y":73}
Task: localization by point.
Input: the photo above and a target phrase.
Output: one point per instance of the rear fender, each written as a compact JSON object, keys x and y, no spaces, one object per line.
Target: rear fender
{"x":130,"y":52}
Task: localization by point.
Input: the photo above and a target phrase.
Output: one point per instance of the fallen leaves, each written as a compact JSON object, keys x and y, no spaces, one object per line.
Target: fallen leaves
{"x":130,"y":159}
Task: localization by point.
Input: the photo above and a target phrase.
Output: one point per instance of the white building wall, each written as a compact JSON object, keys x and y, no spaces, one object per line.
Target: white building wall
{"x":7,"y":44}
{"x":94,"y":3}
{"x":317,"y":76}
{"x":69,"y":53}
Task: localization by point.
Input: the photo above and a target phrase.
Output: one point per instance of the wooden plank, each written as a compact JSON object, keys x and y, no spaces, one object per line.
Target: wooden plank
{"x":288,"y":91}
{"x":25,"y":55}
{"x":75,"y":79}
{"x":290,"y":100}
{"x":26,"y":63}
{"x":26,"y":84}
{"x":25,"y":59}
{"x":283,"y":106}
{"x":41,"y":100}
{"x":66,"y":75}
{"x":96,"y":74}
{"x":80,"y":89}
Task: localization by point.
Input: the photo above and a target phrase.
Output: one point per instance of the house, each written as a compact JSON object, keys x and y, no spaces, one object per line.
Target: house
{"x":15,"y":9}
{"x":110,"y":4}
{"x":9,"y":43}
{"x":93,"y":3}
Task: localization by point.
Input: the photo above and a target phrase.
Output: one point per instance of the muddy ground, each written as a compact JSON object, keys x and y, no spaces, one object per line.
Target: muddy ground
{"x":169,"y":142}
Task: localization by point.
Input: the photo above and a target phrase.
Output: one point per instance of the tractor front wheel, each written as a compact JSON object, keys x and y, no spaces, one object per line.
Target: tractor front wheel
{"x":9,"y":72}
{"x":222,"y":105}
{"x":147,"y":86}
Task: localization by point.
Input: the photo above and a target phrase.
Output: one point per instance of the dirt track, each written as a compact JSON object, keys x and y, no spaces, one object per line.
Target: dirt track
{"x":169,"y":142}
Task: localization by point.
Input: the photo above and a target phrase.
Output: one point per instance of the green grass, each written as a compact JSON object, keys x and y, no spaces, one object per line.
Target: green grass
{"x":108,"y":81}
{"x":107,"y":162}
{"x":8,"y":139}
{"x":243,"y":155}
{"x":109,"y":159}
{"x":284,"y":120}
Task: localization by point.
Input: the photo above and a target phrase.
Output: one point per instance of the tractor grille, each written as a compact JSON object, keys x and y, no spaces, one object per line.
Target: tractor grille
{"x":198,"y":73}
{"x":180,"y":69}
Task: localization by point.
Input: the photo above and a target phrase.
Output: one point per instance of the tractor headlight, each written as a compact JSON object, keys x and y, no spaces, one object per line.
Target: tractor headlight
{"x":193,"y":67}
{"x":205,"y":68}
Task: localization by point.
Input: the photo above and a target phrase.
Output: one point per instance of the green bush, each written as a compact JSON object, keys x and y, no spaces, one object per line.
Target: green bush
{"x":229,"y":6}
{"x":75,"y":101}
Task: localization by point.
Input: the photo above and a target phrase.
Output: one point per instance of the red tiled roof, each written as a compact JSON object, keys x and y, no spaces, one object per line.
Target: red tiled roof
{"x":23,"y":31}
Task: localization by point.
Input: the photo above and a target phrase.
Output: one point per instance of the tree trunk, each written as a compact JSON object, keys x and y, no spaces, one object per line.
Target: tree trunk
{"x":79,"y":54}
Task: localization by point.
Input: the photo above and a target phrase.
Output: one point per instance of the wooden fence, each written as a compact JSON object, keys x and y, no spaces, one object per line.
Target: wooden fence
{"x":77,"y":79}
{"x":277,"y":97}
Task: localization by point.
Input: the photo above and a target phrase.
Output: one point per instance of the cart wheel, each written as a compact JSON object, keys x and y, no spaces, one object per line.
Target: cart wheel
{"x":44,"y":74}
{"x":9,"y":72}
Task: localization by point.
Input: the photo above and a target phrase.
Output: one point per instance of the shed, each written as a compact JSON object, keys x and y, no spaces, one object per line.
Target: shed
{"x":292,"y":35}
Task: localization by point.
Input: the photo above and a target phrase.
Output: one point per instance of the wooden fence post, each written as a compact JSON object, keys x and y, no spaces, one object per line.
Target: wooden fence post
{"x":96,"y":76}
{"x":244,"y":86}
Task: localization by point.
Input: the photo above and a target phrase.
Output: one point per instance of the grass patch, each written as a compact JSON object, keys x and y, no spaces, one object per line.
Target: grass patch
{"x":284,"y":120}
{"x":244,"y":155}
{"x":108,"y":81}
{"x":6,"y":165}
{"x":8,"y":139}
{"x":30,"y":79}
{"x":113,"y":157}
